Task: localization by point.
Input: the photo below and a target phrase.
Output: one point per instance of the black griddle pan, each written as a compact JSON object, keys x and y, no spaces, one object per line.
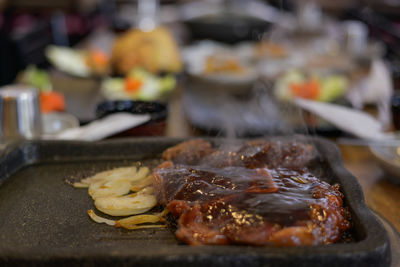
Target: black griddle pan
{"x":43,"y":219}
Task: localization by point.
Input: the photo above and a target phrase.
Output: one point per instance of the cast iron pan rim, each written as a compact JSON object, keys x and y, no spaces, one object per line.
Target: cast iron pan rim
{"x":351,"y":249}
{"x":373,"y":228}
{"x":355,"y":198}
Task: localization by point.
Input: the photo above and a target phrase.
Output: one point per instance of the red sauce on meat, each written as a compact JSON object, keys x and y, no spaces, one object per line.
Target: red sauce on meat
{"x":257,"y":193}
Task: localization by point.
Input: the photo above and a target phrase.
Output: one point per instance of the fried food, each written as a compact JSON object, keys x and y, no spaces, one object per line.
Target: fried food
{"x":156,"y":51}
{"x":217,"y":64}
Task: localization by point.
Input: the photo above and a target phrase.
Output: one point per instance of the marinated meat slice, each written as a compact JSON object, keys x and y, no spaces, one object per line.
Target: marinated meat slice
{"x":276,"y":154}
{"x":252,"y":154}
{"x":217,"y":203}
{"x":192,"y":230}
{"x":192,"y":183}
{"x":189,"y":152}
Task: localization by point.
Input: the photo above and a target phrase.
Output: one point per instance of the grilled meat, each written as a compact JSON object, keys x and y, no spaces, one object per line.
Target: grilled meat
{"x":257,"y":193}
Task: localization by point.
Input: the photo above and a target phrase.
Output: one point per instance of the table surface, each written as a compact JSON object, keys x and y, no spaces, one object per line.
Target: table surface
{"x":381,"y":195}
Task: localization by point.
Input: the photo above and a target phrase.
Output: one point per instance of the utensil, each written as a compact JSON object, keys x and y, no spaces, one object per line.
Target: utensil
{"x":158,"y":112}
{"x":350,"y":120}
{"x":19,"y":113}
{"x":385,"y":147}
{"x":102,"y":128}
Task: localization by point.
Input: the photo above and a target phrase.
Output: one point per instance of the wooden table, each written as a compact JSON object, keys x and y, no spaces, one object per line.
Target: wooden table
{"x":381,"y":195}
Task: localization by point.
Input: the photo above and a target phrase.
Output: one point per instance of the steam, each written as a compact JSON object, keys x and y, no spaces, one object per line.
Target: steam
{"x":252,"y":113}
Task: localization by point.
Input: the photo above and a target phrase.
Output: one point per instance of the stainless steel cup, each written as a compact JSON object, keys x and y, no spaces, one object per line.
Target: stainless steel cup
{"x":19,"y":113}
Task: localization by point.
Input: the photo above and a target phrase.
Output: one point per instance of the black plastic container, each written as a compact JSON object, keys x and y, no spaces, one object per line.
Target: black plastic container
{"x":154,"y":127}
{"x":227,"y":27}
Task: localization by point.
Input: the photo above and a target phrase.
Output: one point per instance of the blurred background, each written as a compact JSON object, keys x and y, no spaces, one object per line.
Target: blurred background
{"x":215,"y":67}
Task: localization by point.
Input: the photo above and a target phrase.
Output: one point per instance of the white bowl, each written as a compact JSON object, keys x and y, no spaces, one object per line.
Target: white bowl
{"x":388,"y":158}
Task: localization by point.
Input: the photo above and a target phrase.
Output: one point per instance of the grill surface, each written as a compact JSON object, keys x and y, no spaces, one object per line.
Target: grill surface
{"x":44,"y":221}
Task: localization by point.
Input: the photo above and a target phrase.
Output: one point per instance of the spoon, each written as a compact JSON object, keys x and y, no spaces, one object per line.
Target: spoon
{"x":347,"y":119}
{"x":102,"y":128}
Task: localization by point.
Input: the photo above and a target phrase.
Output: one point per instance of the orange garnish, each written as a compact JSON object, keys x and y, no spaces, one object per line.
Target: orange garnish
{"x":132,"y":84}
{"x":221,"y":65}
{"x":266,"y":47}
{"x":309,"y":89}
{"x":99,"y":58}
{"x":51,"y":101}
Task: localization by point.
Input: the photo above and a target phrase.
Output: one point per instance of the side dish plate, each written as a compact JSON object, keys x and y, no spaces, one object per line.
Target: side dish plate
{"x":44,"y":220}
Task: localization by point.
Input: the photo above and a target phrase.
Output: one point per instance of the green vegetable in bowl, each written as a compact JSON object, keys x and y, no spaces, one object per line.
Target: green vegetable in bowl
{"x":138,"y":84}
{"x":167,"y":83}
{"x":282,"y":86}
{"x":37,"y":78}
{"x":332,"y":87}
{"x":321,"y":88}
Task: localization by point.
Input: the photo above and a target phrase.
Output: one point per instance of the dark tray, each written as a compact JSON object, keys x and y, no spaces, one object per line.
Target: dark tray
{"x":44,"y":221}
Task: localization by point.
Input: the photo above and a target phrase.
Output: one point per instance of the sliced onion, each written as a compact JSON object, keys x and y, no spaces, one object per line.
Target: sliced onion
{"x":139,"y":185}
{"x":163,"y":213}
{"x":147,"y":190}
{"x":80,"y":185}
{"x":99,"y":219}
{"x":118,"y":187}
{"x":135,"y":227}
{"x":126,"y":205}
{"x":128,"y":173}
{"x":133,"y":221}
{"x":109,"y":189}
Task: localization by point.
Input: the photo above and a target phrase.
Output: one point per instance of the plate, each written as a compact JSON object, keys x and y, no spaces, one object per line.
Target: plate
{"x":389,"y":159}
{"x":233,"y":72}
